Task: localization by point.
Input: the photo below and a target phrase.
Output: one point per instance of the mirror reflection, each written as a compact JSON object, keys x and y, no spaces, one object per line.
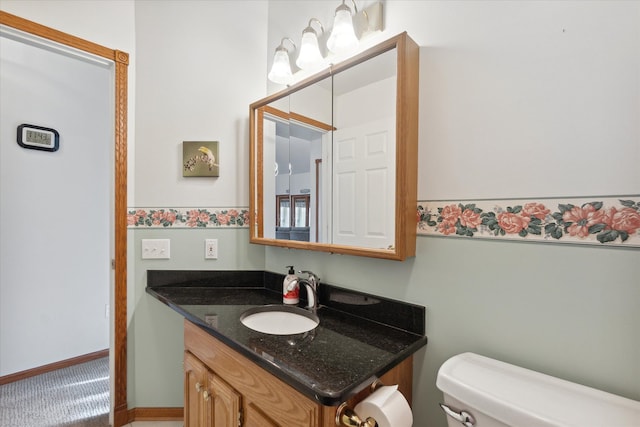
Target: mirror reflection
{"x":333,"y":150}
{"x":296,"y":139}
{"x":364,"y":147}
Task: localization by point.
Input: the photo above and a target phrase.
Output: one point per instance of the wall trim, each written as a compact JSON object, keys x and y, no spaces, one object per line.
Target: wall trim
{"x":165,"y":217}
{"x":156,"y":414}
{"x":53,"y":366}
{"x":610,"y":221}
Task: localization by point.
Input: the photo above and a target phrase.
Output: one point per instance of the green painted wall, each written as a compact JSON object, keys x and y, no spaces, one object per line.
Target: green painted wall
{"x":565,"y":310}
{"x":155,"y":336}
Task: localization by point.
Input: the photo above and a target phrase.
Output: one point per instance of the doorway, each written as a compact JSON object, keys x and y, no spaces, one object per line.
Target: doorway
{"x":118,"y":190}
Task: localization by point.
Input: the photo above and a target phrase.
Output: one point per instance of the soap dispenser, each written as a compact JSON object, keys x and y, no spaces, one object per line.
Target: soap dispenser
{"x":290,"y":287}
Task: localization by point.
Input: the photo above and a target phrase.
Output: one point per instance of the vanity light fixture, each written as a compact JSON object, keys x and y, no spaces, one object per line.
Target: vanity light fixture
{"x":348,"y":29}
{"x":343,"y":37}
{"x":281,"y":67}
{"x":310,"y":56}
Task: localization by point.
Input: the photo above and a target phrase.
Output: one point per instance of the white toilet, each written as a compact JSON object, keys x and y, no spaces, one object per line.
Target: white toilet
{"x":483,"y":392}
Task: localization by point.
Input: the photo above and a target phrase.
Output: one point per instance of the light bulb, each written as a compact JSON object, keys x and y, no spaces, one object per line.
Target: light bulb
{"x":343,"y":37}
{"x":310,"y":56}
{"x":281,"y":68}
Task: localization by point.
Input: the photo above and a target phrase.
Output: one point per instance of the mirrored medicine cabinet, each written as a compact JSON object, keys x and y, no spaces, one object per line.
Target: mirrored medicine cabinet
{"x":334,"y":157}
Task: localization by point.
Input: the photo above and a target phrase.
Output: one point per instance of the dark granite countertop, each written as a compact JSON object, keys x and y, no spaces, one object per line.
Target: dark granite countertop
{"x":360,"y":337}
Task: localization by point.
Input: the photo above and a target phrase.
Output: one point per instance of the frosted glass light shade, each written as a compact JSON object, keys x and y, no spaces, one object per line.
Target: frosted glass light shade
{"x":310,"y":56}
{"x":343,"y":37}
{"x":281,"y":68}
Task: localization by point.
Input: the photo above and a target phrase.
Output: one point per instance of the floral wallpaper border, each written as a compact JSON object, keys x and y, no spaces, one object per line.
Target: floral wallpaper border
{"x":597,"y":221}
{"x":612,"y":221}
{"x":188,"y":217}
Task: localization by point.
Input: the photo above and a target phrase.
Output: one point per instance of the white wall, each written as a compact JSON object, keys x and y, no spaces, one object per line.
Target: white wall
{"x":55,"y":207}
{"x":203,"y":65}
{"x":109,"y":23}
{"x":517,"y":99}
{"x":514,"y":87}
{"x":544,"y":92}
{"x":200,"y":65}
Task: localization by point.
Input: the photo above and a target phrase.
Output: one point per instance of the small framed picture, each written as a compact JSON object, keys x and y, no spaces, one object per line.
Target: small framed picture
{"x":200,"y":158}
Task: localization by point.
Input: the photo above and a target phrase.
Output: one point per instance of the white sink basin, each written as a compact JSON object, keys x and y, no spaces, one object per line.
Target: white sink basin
{"x":279,"y":319}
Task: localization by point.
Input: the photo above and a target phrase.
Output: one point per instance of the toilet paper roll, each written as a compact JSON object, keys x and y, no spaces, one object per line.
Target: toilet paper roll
{"x":387,"y":406}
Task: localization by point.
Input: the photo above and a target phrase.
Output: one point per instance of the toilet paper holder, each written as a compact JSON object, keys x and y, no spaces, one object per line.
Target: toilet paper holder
{"x":345,"y":416}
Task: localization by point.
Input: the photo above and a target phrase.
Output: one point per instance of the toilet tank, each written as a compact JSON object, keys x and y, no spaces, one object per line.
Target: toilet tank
{"x":498,"y":394}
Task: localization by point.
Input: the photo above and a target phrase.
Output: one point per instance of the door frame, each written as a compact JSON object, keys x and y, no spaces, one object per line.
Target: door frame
{"x":119,"y":263}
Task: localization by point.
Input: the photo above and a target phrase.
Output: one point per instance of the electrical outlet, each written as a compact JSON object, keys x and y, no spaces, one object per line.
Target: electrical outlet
{"x":211,"y":320}
{"x":156,"y":248}
{"x":211,"y":248}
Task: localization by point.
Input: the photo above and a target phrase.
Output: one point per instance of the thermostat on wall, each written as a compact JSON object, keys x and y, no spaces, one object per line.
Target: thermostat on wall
{"x":38,"y":137}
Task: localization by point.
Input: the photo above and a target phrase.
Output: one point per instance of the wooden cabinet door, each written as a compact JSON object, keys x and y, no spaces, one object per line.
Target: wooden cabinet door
{"x":222,"y":403}
{"x":254,"y":417}
{"x":195,"y":382}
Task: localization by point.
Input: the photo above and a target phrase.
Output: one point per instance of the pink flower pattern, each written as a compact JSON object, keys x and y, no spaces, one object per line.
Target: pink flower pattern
{"x":582,"y":219}
{"x":447,"y":227}
{"x":585,"y":222}
{"x":470,"y":219}
{"x":626,"y":219}
{"x":512,"y":223}
{"x":588,"y":222}
{"x":223,"y":219}
{"x":537,"y":210}
{"x":191,"y":218}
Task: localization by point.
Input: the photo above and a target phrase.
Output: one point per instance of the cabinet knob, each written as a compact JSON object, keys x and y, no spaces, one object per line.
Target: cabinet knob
{"x":198,"y":387}
{"x":206,"y":395}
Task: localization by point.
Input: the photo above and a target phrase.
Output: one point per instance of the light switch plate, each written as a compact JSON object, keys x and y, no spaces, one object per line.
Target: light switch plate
{"x":156,"y":248}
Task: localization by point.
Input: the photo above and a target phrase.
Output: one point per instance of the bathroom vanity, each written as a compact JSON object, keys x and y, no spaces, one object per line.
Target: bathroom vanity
{"x":235,"y":376}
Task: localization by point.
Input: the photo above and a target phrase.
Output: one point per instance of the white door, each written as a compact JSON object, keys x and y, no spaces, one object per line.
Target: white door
{"x":364,"y":191}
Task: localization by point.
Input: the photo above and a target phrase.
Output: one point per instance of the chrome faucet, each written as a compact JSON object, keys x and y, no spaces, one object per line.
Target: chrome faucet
{"x":311,"y":284}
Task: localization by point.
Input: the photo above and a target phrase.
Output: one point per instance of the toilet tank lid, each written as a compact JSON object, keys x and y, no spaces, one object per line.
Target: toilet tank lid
{"x":517,"y":396}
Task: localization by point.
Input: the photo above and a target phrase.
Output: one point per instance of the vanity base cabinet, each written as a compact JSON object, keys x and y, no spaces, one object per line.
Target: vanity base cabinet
{"x":240,"y":393}
{"x":209,"y":401}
